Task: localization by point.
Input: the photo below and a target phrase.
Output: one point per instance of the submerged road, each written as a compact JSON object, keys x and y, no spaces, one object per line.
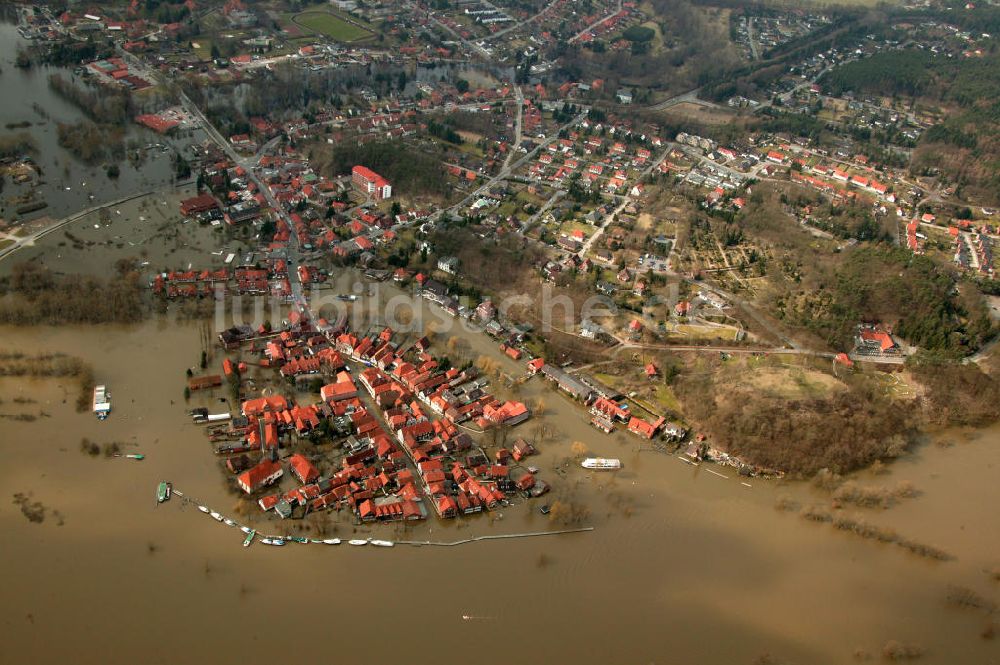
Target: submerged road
{"x":29,"y":240}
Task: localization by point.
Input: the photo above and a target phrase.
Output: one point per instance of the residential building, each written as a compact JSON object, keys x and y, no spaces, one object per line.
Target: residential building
{"x":371,"y":183}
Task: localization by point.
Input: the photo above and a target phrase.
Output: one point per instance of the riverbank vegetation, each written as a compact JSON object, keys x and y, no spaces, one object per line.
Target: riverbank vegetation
{"x":66,"y":53}
{"x":92,"y":143}
{"x":51,"y":365}
{"x":842,"y":429}
{"x":101,"y":137}
{"x":957,"y":394}
{"x":861,"y":527}
{"x":16,"y":144}
{"x":35,"y":295}
{"x":106,"y":105}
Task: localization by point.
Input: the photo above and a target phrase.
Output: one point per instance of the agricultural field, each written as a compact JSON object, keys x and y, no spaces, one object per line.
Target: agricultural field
{"x":331,"y":26}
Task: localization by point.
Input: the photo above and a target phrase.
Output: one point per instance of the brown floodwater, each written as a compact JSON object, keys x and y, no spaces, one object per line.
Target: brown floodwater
{"x":683,"y":566}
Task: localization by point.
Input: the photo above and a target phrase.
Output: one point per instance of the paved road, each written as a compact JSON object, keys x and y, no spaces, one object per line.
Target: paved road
{"x":754,"y":47}
{"x":507,"y":170}
{"x":292,"y":253}
{"x":558,"y":194}
{"x":723,"y":349}
{"x":624,"y":203}
{"x":689,"y":96}
{"x":517,"y":131}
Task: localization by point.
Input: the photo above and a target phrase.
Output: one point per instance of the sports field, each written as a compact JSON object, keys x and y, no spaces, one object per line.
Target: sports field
{"x":332,"y":26}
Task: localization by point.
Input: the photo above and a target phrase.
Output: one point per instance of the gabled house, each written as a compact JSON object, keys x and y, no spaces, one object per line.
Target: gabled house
{"x":265,"y":473}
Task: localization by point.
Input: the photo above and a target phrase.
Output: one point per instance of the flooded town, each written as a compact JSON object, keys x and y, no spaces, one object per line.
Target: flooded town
{"x":672,"y":323}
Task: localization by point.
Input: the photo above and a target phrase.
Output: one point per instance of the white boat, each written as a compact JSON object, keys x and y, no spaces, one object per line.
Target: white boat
{"x":228,"y":522}
{"x":267,"y":541}
{"x":278,"y":541}
{"x":203,"y":509}
{"x":601,"y":464}
{"x":383,"y":543}
{"x":332,"y":541}
{"x":102,"y":402}
{"x":357,"y":541}
{"x":245,"y":529}
{"x":216,"y":516}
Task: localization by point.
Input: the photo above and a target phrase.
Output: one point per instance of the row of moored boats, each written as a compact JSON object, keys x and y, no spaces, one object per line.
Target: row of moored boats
{"x":164,"y":491}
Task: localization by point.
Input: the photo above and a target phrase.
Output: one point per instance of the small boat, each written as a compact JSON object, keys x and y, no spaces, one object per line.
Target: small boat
{"x":277,"y":541}
{"x":216,"y":516}
{"x":332,"y":541}
{"x":298,"y":539}
{"x":246,"y":529}
{"x":357,"y":541}
{"x":267,"y":541}
{"x":203,"y":509}
{"x":383,"y":543}
{"x":136,"y":456}
{"x":228,"y":522}
{"x":249,"y":538}
{"x":544,"y":509}
{"x":163,"y":491}
{"x":601,"y":464}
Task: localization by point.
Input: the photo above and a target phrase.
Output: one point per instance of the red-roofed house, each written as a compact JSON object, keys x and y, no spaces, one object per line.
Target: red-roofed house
{"x":265,"y":473}
{"x":303,"y":469}
{"x":255,"y":407}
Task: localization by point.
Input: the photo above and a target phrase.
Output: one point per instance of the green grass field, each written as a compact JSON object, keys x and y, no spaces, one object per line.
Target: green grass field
{"x":332,"y":26}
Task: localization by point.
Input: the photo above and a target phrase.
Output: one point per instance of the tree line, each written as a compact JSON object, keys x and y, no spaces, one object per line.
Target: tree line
{"x":33,"y":294}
